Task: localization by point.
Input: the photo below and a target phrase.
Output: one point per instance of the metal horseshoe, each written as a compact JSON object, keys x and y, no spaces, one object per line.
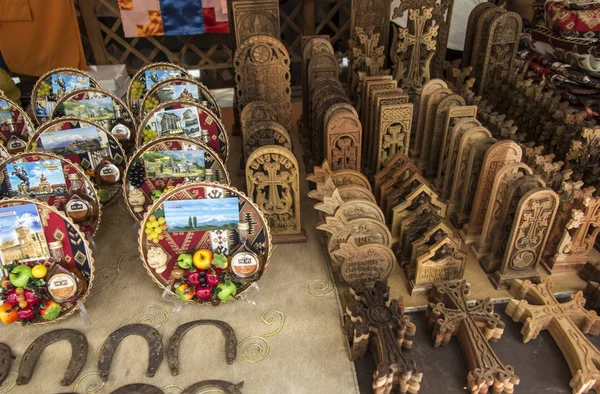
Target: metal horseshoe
{"x":6,"y":358}
{"x":173,"y":348}
{"x":79,"y":352}
{"x":138,"y":388}
{"x":227,"y":387}
{"x":150,"y":334}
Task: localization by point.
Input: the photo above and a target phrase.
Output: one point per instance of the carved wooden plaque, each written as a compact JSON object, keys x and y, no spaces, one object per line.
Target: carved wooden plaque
{"x":394,"y":133}
{"x":347,"y":192}
{"x":368,"y":14}
{"x":363,"y":265}
{"x":427,"y":136}
{"x":443,"y":261}
{"x":379,"y":98}
{"x":343,"y":135}
{"x":482,"y":22}
{"x":263,"y":134}
{"x":311,"y":45}
{"x":272,"y":181}
{"x":413,"y":228}
{"x":339,"y":177}
{"x":352,"y":209}
{"x":323,"y":64}
{"x":419,"y":127}
{"x":397,"y":178}
{"x":257,"y":111}
{"x":386,"y":173}
{"x":253,"y":18}
{"x":470,"y":34}
{"x":371,"y":84}
{"x":501,"y":154}
{"x":262,"y":72}
{"x":367,"y":57}
{"x":412,"y":200}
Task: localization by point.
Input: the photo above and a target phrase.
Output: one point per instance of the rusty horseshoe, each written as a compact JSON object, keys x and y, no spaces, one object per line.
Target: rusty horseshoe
{"x":138,"y":388}
{"x":79,"y":352}
{"x":150,"y":334}
{"x":227,"y":387}
{"x":173,"y":348}
{"x":6,"y":358}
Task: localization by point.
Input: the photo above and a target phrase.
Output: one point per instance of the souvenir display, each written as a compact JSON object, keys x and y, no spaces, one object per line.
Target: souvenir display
{"x":47,"y":263}
{"x":15,"y":127}
{"x":181,"y":89}
{"x":102,"y":108}
{"x":87,"y":144}
{"x":343,"y":135}
{"x":53,"y":86}
{"x":164,"y":163}
{"x":57,"y":182}
{"x":216,"y":242}
{"x":185,"y":119}
{"x":145,"y":78}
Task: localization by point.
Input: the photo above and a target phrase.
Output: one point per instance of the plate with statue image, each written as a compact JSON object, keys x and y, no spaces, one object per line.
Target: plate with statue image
{"x":164,"y":163}
{"x":146,"y":77}
{"x":16,"y":126}
{"x":102,"y":108}
{"x":55,"y":84}
{"x":40,"y":234}
{"x":185,"y":119}
{"x":179,"y":88}
{"x":49,"y":178}
{"x":189,"y":234}
{"x":96,"y":150}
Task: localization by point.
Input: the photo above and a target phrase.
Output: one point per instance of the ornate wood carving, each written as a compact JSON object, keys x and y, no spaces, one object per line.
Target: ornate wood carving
{"x":532,"y":221}
{"x":372,"y":315}
{"x":350,"y":210}
{"x":262,"y":72}
{"x":339,"y":177}
{"x":263,"y":134}
{"x":568,"y":323}
{"x":272,"y":181}
{"x":426,"y":92}
{"x":386,"y":173}
{"x":253,"y":18}
{"x":450,"y":315}
{"x":470,"y":34}
{"x":343,"y":137}
{"x":365,"y":264}
{"x":427,"y":135}
{"x":397,"y":178}
{"x":370,"y":86}
{"x":367,"y":58}
{"x":347,"y":192}
{"x":453,"y":117}
{"x":323,"y":64}
{"x":393,"y":133}
{"x":324,"y":94}
{"x":373,"y":17}
{"x":499,"y":155}
{"x":257,"y":111}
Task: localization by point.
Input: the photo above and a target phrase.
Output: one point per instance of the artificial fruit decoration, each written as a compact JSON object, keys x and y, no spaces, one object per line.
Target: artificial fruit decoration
{"x":220,"y":261}
{"x":226,"y":290}
{"x":202,"y":259}
{"x":193,"y":278}
{"x":26,"y":314}
{"x":185,"y":292}
{"x":51,"y":311}
{"x":6,"y":283}
{"x":184,"y":260}
{"x":155,"y":195}
{"x":204,"y":293}
{"x":20,"y":275}
{"x":11,"y":298}
{"x":39,"y":271}
{"x":32,"y":298}
{"x":212,"y":277}
{"x":7,"y":314}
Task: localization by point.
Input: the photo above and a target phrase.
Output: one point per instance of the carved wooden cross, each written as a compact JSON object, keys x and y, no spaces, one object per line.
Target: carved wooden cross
{"x":534,"y":222}
{"x":371,"y":314}
{"x":271,"y":180}
{"x":474,"y":326}
{"x":345,"y":154}
{"x":583,"y":241}
{"x":394,"y":141}
{"x":538,"y":309}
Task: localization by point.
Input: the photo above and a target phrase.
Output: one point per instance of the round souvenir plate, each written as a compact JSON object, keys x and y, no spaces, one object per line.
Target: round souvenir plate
{"x":56,"y":196}
{"x":89,"y":161}
{"x":53,"y":85}
{"x":3,"y":153}
{"x":15,"y":126}
{"x":180,"y":88}
{"x":148,"y":76}
{"x":166,"y":144}
{"x":102,"y":108}
{"x":222,"y":241}
{"x":57,"y":227}
{"x":185,"y":119}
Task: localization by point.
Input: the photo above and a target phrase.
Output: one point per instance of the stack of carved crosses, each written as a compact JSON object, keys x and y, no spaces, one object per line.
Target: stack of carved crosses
{"x":356,"y":238}
{"x":263,"y":99}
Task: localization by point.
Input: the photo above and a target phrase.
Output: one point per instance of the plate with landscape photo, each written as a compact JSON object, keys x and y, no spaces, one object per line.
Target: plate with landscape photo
{"x":154,"y":76}
{"x":186,"y":91}
{"x":65,"y":83}
{"x":22,"y":237}
{"x":101,"y":108}
{"x":5,"y":114}
{"x":174,"y":163}
{"x":38,"y":178}
{"x":71,"y":141}
{"x":182,"y":121}
{"x":209,"y":214}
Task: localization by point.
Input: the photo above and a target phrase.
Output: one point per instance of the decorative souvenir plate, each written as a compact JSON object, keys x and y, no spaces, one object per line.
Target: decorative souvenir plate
{"x":108,"y":150}
{"x":44,"y":177}
{"x":174,"y":160}
{"x":3,"y":153}
{"x":185,"y":119}
{"x":175,"y":258}
{"x":146,"y":77}
{"x":15,"y":126}
{"x":39,"y":225}
{"x":55,"y":84}
{"x":180,"y":88}
{"x":101,"y":107}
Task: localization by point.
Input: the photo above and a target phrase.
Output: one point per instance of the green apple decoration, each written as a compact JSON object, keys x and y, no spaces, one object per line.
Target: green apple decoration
{"x":219,"y":260}
{"x":20,"y":275}
{"x":185,"y":261}
{"x":226,"y":290}
{"x":155,"y":195}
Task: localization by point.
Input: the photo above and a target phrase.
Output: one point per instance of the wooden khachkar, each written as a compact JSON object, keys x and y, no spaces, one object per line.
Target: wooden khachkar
{"x":567,"y":322}
{"x":371,"y":315}
{"x":265,"y":133}
{"x":367,"y":57}
{"x":262,"y":73}
{"x":343,"y":137}
{"x":272,"y":181}
{"x":418,"y":127}
{"x":449,"y":314}
{"x":429,"y":123}
{"x":583,"y":158}
{"x":369,"y":88}
{"x":257,"y":111}
{"x":393,"y":136}
{"x":339,"y":177}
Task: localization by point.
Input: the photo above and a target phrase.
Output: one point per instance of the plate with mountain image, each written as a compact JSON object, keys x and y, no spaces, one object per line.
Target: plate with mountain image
{"x":202,"y":215}
{"x":71,"y":141}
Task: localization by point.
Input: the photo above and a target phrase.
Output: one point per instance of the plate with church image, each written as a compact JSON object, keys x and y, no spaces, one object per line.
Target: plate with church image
{"x":36,"y":178}
{"x":181,"y":121}
{"x":22,"y":237}
{"x":174,"y":164}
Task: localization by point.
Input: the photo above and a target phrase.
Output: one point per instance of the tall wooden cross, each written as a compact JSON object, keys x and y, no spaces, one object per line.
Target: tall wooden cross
{"x":474,"y":326}
{"x":568,"y":322}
